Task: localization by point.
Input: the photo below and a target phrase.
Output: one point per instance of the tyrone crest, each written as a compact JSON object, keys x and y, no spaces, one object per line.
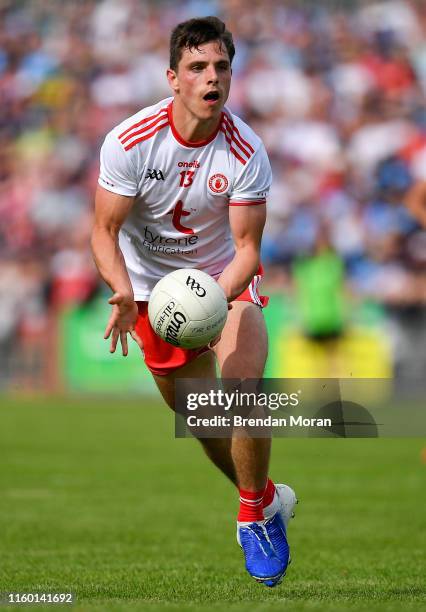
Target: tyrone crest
{"x":218,"y":183}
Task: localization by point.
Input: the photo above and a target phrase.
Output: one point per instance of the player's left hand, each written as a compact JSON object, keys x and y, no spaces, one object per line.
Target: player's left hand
{"x":122,"y":322}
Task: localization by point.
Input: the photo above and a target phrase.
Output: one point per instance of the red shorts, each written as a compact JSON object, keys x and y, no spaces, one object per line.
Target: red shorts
{"x":163,"y":358}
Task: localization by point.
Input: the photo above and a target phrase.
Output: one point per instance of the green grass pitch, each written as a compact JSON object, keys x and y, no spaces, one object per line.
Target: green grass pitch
{"x":98,"y":498}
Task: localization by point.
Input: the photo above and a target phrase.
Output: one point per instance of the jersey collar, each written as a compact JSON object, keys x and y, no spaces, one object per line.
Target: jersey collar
{"x":187,"y":143}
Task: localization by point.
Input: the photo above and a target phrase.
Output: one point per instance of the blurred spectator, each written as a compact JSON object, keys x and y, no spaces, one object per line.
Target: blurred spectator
{"x":319,"y":279}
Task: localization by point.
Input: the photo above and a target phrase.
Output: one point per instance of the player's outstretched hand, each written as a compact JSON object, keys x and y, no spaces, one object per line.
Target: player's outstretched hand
{"x":122,"y":322}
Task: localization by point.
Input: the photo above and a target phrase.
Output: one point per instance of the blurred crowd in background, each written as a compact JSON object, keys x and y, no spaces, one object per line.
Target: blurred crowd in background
{"x":336,"y":90}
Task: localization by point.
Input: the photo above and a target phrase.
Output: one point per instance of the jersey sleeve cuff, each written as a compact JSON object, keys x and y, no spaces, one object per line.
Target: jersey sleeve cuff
{"x":114,"y":189}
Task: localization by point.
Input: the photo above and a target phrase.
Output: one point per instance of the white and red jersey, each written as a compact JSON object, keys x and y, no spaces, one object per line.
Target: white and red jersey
{"x":182,"y":191}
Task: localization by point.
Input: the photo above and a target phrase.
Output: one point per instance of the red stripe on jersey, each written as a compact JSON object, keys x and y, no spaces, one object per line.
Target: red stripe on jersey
{"x":146,"y":128}
{"x":247,"y":202}
{"x":146,"y":136}
{"x":237,"y":142}
{"x":236,"y":154}
{"x":235,"y":129}
{"x":136,"y":125}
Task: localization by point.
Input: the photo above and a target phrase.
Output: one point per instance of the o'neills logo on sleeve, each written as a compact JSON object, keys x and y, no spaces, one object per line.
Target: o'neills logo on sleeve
{"x":173,"y":327}
{"x":218,"y":183}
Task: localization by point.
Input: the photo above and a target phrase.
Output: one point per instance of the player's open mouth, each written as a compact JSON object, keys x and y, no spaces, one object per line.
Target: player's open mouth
{"x":212,"y":97}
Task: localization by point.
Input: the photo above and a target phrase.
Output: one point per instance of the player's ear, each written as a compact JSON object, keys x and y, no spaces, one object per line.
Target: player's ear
{"x":173,"y":80}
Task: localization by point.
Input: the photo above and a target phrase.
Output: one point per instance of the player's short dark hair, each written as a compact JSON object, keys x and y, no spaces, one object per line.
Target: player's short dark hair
{"x":193,"y":33}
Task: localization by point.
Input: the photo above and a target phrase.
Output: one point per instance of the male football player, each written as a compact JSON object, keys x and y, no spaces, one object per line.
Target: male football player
{"x":183,"y":183}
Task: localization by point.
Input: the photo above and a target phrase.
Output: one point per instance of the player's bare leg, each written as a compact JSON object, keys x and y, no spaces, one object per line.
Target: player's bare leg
{"x":241,"y":353}
{"x":218,"y":450}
